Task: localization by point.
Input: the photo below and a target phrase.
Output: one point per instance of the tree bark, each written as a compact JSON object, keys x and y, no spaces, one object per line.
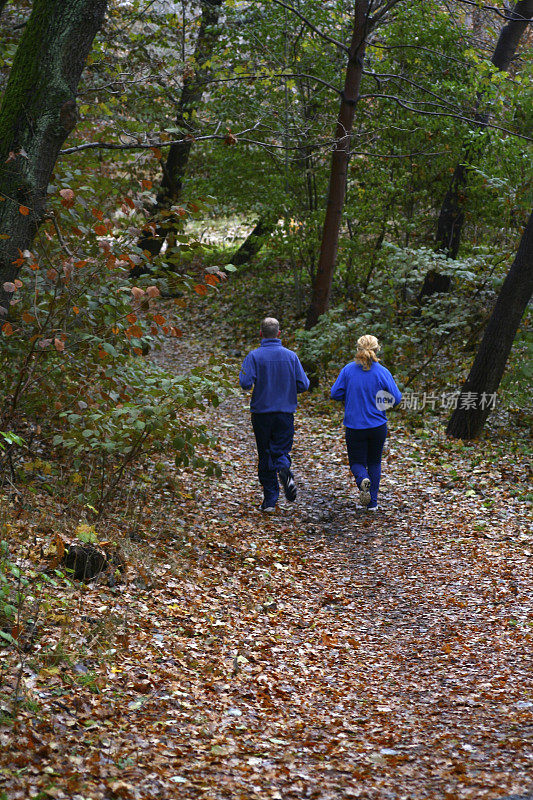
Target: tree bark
{"x":254,"y":241}
{"x":178,"y":154}
{"x":452,"y":212}
{"x":38,"y":112}
{"x":339,"y":167}
{"x":489,"y":363}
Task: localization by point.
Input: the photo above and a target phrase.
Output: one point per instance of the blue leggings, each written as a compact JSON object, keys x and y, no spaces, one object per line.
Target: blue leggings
{"x":365,"y":446}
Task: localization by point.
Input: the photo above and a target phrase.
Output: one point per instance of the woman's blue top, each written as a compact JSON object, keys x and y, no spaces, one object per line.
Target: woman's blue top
{"x":367,"y":394}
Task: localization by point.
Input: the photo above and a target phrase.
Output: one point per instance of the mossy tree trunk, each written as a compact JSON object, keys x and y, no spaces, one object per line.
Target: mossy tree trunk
{"x":339,"y":167}
{"x":175,"y":166}
{"x":452,"y":212}
{"x":38,"y":112}
{"x":474,"y":404}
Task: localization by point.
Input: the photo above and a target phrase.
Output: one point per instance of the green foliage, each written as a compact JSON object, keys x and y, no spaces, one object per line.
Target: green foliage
{"x":410,"y":334}
{"x":73,"y":353}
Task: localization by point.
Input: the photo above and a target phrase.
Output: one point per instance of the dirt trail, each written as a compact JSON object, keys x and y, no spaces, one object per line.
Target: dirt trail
{"x":379,"y":657}
{"x":321,"y":652}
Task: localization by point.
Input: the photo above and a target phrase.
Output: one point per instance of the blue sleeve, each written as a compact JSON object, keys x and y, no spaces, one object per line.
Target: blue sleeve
{"x":302,"y":381}
{"x":338,"y":390}
{"x":247,"y":375}
{"x":392,"y":388}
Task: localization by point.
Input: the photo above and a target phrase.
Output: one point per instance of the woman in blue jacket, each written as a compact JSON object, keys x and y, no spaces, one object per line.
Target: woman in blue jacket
{"x":368,"y":390}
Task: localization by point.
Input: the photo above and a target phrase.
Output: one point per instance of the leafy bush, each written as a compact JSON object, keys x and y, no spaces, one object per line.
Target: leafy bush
{"x":421,"y":332}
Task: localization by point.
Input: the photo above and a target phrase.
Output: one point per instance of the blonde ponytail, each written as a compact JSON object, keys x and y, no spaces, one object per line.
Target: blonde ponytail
{"x":367,"y":349}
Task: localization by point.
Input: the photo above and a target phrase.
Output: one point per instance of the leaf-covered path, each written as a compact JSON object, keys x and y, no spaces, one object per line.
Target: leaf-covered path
{"x":317,"y":653}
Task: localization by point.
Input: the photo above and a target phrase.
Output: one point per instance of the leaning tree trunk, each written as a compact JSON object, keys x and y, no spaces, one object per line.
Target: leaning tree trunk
{"x":178,"y":154}
{"x":38,"y":112}
{"x":254,"y":241}
{"x":452,"y":212}
{"x":339,"y":168}
{"x":474,"y":403}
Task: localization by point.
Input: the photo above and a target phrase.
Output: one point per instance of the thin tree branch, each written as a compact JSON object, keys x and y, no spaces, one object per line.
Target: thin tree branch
{"x":470,"y":120}
{"x":310,"y":25}
{"x":381,"y":13}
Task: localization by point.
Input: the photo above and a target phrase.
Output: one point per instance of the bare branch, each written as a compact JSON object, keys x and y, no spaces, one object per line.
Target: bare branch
{"x":506,"y":14}
{"x":310,"y":25}
{"x":378,"y":16}
{"x":470,"y":120}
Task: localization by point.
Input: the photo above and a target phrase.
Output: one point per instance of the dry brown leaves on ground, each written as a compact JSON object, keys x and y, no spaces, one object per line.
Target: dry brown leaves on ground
{"x":318,"y":653}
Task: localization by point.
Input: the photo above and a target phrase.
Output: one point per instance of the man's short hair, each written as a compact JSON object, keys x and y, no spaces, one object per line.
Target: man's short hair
{"x":269,"y":328}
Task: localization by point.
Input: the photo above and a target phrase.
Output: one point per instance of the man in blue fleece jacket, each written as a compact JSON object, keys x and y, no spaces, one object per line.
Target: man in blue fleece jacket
{"x":277,"y":377}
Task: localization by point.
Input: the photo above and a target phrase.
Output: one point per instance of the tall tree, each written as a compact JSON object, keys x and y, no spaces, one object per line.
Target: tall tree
{"x":452,"y":212}
{"x":192,"y":90}
{"x":339,"y":166}
{"x":473,"y":408}
{"x":38,"y":112}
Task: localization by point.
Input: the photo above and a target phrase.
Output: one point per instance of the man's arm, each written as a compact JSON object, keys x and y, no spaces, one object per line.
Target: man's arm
{"x":302,"y":381}
{"x":338,"y":390}
{"x":247,"y":374}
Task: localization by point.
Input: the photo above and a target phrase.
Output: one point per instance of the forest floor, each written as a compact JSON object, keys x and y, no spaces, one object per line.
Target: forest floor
{"x":321,"y":652}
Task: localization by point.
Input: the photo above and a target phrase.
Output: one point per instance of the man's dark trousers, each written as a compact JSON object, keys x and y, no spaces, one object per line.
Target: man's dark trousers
{"x":274,"y":434}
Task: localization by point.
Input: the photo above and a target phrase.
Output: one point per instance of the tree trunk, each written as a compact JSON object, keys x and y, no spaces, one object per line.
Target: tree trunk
{"x":452,"y":214}
{"x":254,"y":241}
{"x":339,"y":168}
{"x":489,"y":364}
{"x":38,"y":112}
{"x":178,"y":155}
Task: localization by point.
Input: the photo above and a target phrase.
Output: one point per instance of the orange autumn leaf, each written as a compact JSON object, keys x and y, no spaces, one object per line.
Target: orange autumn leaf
{"x":159,"y":318}
{"x":27,"y":317}
{"x":76,"y":309}
{"x":129,"y":202}
{"x":100,"y":230}
{"x":97,"y":213}
{"x":80,"y":264}
{"x":134,"y":330}
{"x":24,"y":210}
{"x":132,"y":318}
{"x":7,"y":329}
{"x":67,"y":197}
{"x":157,"y":152}
{"x":211,"y":280}
{"x":146,"y":184}
{"x":200,"y":289}
{"x":176,"y":332}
